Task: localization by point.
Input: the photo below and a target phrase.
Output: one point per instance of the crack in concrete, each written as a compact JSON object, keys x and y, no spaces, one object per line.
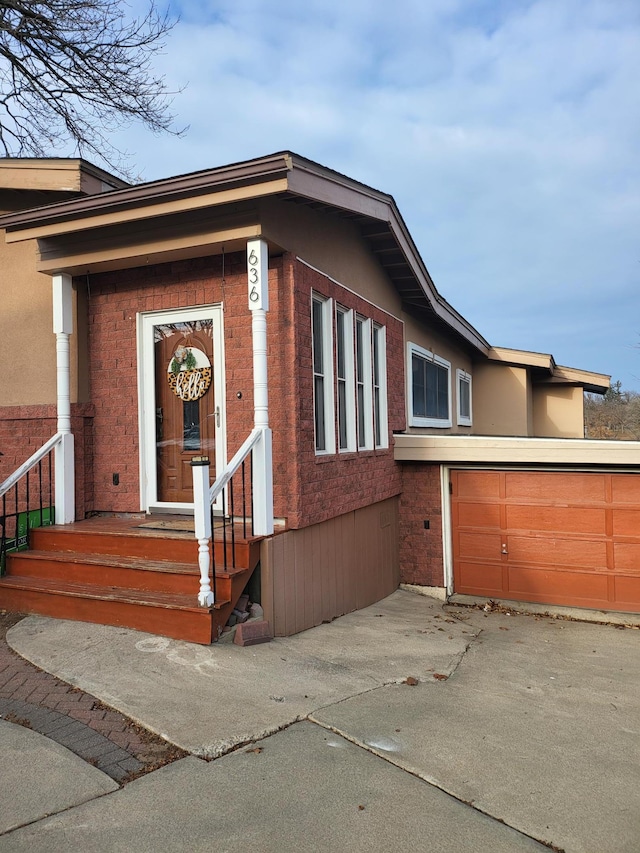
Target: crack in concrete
{"x":430,"y":780}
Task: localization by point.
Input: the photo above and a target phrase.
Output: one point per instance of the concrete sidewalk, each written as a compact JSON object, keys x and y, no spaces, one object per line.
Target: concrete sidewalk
{"x":519,"y":730}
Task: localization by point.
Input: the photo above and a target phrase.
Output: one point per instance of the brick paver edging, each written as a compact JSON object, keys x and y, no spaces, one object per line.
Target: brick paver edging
{"x":78,"y":721}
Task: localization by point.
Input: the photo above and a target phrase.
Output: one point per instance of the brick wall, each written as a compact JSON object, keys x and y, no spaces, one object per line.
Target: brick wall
{"x":114,"y":300}
{"x":331,"y":485}
{"x":421,"y":553}
{"x":24,"y":429}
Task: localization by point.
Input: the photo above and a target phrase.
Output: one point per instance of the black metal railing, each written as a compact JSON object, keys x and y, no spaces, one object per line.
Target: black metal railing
{"x":226,"y":522}
{"x":27,"y":502}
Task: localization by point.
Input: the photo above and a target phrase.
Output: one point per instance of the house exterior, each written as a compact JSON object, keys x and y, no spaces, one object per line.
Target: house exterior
{"x":402,"y":446}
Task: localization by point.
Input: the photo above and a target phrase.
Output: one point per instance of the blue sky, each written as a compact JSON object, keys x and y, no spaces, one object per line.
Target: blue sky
{"x":508,"y":132}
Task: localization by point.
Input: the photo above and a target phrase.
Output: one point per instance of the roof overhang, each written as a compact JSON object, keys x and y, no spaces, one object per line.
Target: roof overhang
{"x":55,"y":174}
{"x":183,"y":216}
{"x":545,"y":371}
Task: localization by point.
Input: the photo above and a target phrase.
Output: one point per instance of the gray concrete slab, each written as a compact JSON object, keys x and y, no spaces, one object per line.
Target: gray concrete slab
{"x":538,"y":726}
{"x":303,"y":789}
{"x":207,"y":699}
{"x":39,"y":777}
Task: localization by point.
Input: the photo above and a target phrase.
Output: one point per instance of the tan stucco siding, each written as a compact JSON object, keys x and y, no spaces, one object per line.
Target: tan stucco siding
{"x":500,"y":400}
{"x":333,"y":246}
{"x":433,"y":341}
{"x":26,"y":330}
{"x":558,"y":411}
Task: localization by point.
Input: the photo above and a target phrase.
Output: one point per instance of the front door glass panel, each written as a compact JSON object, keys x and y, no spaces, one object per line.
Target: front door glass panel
{"x":184,"y":393}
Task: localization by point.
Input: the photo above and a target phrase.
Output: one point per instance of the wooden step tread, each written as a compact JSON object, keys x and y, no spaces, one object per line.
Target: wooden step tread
{"x":123,"y":562}
{"x":143,"y":598}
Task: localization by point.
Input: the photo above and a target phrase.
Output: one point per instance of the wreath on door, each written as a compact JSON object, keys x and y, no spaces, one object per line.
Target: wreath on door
{"x":189,"y":373}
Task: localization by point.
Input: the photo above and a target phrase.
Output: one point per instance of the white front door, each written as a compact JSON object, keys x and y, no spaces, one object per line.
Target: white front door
{"x":182,"y":402}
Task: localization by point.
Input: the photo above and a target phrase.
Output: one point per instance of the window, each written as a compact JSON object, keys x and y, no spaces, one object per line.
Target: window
{"x":322,"y":346}
{"x":381,"y":433}
{"x":429,"y":389}
{"x":345,"y":380}
{"x":352,"y":415}
{"x":464,"y":398}
{"x":363,"y":384}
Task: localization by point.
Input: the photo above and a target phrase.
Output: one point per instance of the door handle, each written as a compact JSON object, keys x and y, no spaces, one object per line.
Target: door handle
{"x":217,"y":413}
{"x":504,"y":548}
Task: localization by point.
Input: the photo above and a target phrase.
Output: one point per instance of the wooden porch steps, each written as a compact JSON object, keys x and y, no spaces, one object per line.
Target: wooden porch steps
{"x":117,"y":572}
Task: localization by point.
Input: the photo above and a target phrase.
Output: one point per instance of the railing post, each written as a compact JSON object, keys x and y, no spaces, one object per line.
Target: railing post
{"x":258,"y":275}
{"x":202,"y":519}
{"x":64,"y":453}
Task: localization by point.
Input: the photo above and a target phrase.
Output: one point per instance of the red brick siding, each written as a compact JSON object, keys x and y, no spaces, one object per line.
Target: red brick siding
{"x":24,"y":429}
{"x":421,"y":552}
{"x":334,"y":484}
{"x":114,"y":300}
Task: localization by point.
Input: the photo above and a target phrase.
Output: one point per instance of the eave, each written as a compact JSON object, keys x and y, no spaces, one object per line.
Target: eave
{"x":72,"y":234}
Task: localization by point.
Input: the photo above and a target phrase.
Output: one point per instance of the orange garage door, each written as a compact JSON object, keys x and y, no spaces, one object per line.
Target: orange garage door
{"x":550,"y":537}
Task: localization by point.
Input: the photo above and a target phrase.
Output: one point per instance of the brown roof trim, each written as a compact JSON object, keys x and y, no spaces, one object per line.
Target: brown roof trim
{"x":154,"y":192}
{"x":305,"y":179}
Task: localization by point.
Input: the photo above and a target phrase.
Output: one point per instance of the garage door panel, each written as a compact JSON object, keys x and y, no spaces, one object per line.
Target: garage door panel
{"x":627,"y":593}
{"x":479,"y":578}
{"x":626,"y":522}
{"x":627,"y":556}
{"x":482,"y":484}
{"x":556,"y":519}
{"x":571,"y":537}
{"x":625,"y":489}
{"x":557,"y":587}
{"x":479,"y":515}
{"x":570,"y":488}
{"x":545,"y":550}
{"x":480,"y":546}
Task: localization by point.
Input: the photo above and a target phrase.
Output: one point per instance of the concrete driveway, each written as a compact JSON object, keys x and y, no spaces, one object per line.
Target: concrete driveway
{"x":513,"y":732}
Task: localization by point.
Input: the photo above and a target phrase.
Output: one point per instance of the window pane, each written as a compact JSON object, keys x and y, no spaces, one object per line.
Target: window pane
{"x":361,"y":421}
{"x":376,"y":413}
{"x":419,"y":386}
{"x":465,"y":398}
{"x":319,"y":413}
{"x":340,"y":344}
{"x":317,"y":337}
{"x":430,"y":388}
{"x":443,"y":392}
{"x":191,"y":425}
{"x":342,"y":414}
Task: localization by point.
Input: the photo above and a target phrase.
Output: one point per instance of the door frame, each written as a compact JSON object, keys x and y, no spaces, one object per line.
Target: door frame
{"x":145,"y":321}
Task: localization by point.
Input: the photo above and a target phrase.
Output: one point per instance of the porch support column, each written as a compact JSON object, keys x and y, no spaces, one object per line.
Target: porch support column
{"x":64,"y":462}
{"x":258,"y":280}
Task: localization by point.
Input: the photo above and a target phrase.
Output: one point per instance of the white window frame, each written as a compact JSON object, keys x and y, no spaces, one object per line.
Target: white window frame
{"x":379,"y":356}
{"x":325,"y":374}
{"x":417,"y":420}
{"x":347,"y":382}
{"x":364,"y":380}
{"x":463,"y":377}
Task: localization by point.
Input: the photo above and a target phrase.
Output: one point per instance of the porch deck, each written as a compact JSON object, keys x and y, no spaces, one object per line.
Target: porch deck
{"x":133,"y":571}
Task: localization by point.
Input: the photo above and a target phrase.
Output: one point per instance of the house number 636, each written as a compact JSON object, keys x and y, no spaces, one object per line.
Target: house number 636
{"x":254,"y":276}
{"x":257,"y":275}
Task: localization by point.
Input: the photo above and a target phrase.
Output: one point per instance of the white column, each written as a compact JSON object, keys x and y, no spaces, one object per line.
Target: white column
{"x":64,"y":461}
{"x":202,"y":520}
{"x":258,"y":291}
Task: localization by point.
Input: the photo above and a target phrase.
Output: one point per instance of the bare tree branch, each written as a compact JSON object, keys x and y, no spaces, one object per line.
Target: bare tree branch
{"x":75,"y":71}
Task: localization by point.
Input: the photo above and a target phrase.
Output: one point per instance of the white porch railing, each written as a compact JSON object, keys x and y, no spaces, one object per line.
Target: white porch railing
{"x":258,"y":445}
{"x":22,"y":503}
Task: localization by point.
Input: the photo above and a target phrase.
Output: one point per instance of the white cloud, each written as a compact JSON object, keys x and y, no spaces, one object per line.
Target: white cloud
{"x":507,"y":130}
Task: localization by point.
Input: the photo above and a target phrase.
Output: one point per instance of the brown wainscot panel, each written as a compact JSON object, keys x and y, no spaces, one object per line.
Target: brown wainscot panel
{"x":315,"y":574}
